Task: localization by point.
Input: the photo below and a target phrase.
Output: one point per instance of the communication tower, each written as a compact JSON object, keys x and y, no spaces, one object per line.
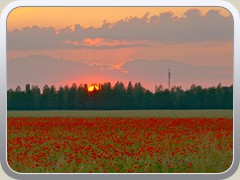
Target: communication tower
{"x":169,"y":79}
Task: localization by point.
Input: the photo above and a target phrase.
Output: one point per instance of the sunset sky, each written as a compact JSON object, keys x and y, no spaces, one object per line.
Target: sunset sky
{"x":61,"y":46}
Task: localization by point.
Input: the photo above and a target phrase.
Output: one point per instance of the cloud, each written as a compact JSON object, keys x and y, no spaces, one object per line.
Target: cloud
{"x":41,"y":70}
{"x":182,"y":73}
{"x":162,"y":28}
{"x":102,"y":43}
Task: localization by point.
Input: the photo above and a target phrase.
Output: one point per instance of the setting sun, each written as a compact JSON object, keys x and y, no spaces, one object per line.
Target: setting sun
{"x":93,"y":87}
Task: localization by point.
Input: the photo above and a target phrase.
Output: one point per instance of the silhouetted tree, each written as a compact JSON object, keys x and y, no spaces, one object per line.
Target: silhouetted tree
{"x":45,"y":98}
{"x":72,"y":97}
{"x":130,"y":99}
{"x":82,"y":97}
{"x":138,"y":92}
{"x":119,"y":97}
{"x":62,"y":98}
{"x":36,"y":95}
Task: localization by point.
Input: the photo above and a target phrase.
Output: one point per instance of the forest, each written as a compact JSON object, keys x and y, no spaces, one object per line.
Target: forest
{"x":119,"y":97}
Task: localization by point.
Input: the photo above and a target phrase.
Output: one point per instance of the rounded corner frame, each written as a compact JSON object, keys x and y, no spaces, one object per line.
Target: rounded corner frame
{"x":105,"y":3}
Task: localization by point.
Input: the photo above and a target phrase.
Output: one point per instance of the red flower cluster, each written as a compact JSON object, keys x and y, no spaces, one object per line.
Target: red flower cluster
{"x":158,"y":145}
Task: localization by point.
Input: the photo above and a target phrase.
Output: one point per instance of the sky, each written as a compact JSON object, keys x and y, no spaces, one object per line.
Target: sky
{"x":59,"y":46}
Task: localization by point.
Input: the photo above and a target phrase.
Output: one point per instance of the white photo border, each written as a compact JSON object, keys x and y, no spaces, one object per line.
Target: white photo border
{"x":119,"y":3}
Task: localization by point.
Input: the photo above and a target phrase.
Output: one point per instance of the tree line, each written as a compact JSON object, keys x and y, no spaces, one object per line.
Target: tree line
{"x":119,"y":97}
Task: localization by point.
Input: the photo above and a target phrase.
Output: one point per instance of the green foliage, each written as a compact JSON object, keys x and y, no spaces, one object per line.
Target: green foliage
{"x":119,"y":97}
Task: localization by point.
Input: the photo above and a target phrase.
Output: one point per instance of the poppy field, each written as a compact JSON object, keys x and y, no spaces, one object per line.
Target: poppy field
{"x":119,"y":144}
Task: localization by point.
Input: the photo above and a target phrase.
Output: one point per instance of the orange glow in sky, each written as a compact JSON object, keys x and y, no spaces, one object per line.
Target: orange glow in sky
{"x":59,"y":17}
{"x":110,"y":48}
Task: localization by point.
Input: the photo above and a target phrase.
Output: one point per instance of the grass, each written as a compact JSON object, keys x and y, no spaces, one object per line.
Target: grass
{"x":123,"y":145}
{"x":124,"y":141}
{"x":125,"y":113}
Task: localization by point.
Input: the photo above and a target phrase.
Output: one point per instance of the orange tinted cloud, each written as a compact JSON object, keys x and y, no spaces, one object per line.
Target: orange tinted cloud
{"x":101,"y":42}
{"x":204,"y":53}
{"x":94,"y":42}
{"x":59,"y":17}
{"x":149,"y":73}
{"x":163,"y":28}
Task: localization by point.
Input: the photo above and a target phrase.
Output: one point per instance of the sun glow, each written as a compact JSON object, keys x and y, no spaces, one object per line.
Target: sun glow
{"x":93,"y":87}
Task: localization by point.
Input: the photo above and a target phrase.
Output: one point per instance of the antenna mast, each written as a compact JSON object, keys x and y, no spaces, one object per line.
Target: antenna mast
{"x":169,"y":79}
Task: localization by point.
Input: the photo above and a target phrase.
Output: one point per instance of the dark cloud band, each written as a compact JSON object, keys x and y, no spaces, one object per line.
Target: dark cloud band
{"x":162,"y":28}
